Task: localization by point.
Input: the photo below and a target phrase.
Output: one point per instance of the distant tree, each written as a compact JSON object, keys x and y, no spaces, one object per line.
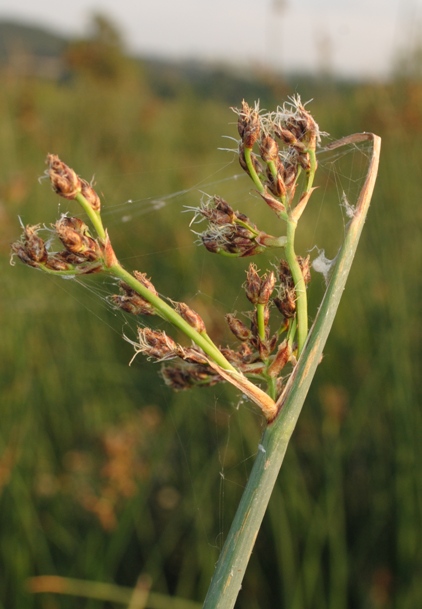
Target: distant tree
{"x":102,"y":55}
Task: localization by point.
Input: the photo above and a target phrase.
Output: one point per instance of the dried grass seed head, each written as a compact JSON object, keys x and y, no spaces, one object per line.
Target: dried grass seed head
{"x":258,"y":289}
{"x":190,"y":316}
{"x":155,"y":344}
{"x":64,"y":180}
{"x":90,"y":194}
{"x":183,"y":376}
{"x":76,"y":238}
{"x":131,"y":302}
{"x":147,"y":283}
{"x":293,"y":123}
{"x":238,"y":328}
{"x":248,"y":124}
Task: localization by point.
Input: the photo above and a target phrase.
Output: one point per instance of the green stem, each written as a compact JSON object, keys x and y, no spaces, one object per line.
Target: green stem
{"x":291,"y":333}
{"x":163,"y":309}
{"x":111,"y":593}
{"x":313,"y":168}
{"x":251,"y":169}
{"x":272,"y":387}
{"x":170,"y":315}
{"x":94,"y":216}
{"x":300,"y":287}
{"x":260,"y":318}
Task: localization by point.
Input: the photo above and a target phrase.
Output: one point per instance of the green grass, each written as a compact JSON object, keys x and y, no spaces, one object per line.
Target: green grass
{"x":343,"y":527}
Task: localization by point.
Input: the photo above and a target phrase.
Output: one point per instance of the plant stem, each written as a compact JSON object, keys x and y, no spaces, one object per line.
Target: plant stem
{"x":251,"y":169}
{"x":163,"y":309}
{"x":170,"y":315}
{"x":101,"y":591}
{"x":93,"y":215}
{"x":237,"y":549}
{"x":272,"y":387}
{"x":300,"y":287}
{"x":313,"y":168}
{"x":260,"y":312}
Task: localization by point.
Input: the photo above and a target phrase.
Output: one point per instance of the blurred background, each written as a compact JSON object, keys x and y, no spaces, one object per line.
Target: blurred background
{"x":106,"y":475}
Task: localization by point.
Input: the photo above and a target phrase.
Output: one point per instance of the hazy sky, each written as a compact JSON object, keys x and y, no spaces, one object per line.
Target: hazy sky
{"x":358,"y":37}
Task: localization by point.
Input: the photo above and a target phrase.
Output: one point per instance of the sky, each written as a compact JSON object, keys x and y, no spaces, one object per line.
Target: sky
{"x":358,"y":38}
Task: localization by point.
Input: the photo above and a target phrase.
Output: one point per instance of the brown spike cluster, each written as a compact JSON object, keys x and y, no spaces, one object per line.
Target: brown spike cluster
{"x":190,"y":316}
{"x":259,"y":289}
{"x":285,"y":301}
{"x":269,"y":353}
{"x":274,"y":149}
{"x":284,"y":139}
{"x":130,"y":301}
{"x":257,"y":353}
{"x":76,"y":238}
{"x":230,"y":232}
{"x":185,"y":376}
{"x":82,"y":253}
{"x":248,"y":125}
{"x":190,"y":367}
{"x":66,"y":183}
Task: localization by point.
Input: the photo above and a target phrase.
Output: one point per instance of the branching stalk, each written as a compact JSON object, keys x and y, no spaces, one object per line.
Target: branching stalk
{"x":93,"y":215}
{"x":300,"y":287}
{"x":233,"y":560}
{"x":251,"y":169}
{"x":169,"y":314}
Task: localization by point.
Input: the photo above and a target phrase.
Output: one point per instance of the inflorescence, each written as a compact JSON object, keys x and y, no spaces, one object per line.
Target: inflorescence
{"x":274,"y":149}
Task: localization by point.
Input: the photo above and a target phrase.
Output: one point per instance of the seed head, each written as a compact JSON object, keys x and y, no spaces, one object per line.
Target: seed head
{"x":90,"y":195}
{"x":31,"y":248}
{"x":259,"y":289}
{"x":248,"y":124}
{"x":155,"y":344}
{"x":232,"y":240}
{"x":131,"y":302}
{"x":238,"y":328}
{"x":184,"y":376}
{"x":75,"y":236}
{"x":190,"y":316}
{"x":63,"y":179}
{"x":147,"y":283}
{"x":58,"y":262}
{"x":253,"y":284}
{"x":267,"y":287}
{"x":268,"y":148}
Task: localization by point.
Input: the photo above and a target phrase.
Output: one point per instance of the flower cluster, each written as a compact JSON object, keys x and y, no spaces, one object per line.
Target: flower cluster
{"x":230,"y":232}
{"x":66,"y":183}
{"x":130,"y":301}
{"x":260,"y":351}
{"x":286,"y":141}
{"x":274,"y":149}
{"x":191,"y":368}
{"x":82,"y":254}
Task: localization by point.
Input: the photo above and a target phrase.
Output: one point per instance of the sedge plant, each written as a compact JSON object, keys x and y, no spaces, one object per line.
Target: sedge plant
{"x":276,"y":355}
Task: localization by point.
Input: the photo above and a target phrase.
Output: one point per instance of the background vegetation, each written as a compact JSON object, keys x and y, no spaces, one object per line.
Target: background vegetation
{"x":106,"y":475}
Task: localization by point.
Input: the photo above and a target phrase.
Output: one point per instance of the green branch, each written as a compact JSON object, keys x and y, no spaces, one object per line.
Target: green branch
{"x":300,"y":287}
{"x":170,"y":315}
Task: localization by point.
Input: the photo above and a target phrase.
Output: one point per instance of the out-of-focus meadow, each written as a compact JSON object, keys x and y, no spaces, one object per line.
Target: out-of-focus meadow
{"x":108,"y":476}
